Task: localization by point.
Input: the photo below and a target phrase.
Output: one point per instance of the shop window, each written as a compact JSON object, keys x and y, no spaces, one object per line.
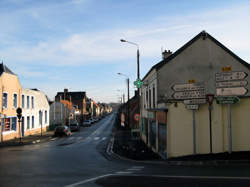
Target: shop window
{"x":33,"y":122}
{"x":28,"y":122}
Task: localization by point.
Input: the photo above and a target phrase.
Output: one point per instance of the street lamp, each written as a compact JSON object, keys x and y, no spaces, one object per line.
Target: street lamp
{"x":128,"y":93}
{"x":138,"y":57}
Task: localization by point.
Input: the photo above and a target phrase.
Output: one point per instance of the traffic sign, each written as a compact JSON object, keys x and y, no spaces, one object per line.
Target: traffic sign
{"x":138,"y":83}
{"x":194,"y":101}
{"x":137,"y":117}
{"x":192,"y":107}
{"x":227,"y":100}
{"x":229,"y":76}
{"x":190,"y":94}
{"x":188,"y":87}
{"x":231,"y":91}
{"x":231,"y":84}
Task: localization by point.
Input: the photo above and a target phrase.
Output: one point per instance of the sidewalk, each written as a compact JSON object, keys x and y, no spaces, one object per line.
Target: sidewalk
{"x":28,"y":140}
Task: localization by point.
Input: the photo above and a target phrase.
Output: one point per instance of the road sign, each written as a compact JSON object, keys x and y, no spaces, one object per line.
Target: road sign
{"x":137,"y":117}
{"x":188,"y":87}
{"x":138,"y":83}
{"x":192,"y":107}
{"x":194,"y":101}
{"x":190,"y":94}
{"x":231,"y":84}
{"x":229,"y":76}
{"x":227,"y":100}
{"x":231,"y":91}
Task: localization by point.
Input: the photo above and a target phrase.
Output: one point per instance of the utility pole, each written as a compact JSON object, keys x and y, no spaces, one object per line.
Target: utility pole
{"x":128,"y":105}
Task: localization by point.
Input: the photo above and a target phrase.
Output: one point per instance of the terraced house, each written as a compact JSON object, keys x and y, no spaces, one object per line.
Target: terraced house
{"x":185,"y":103}
{"x":10,"y":90}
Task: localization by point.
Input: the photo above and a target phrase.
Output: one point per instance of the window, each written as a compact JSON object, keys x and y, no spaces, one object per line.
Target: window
{"x":23,"y":101}
{"x":149,"y":98}
{"x":28,"y":101}
{"x":5,"y":100}
{"x":28,"y":122}
{"x":32,"y":102}
{"x":153,"y":97}
{"x":15,"y":100}
{"x":46,"y":117}
{"x":13,"y":123}
{"x":33,"y":122}
{"x":9,"y":124}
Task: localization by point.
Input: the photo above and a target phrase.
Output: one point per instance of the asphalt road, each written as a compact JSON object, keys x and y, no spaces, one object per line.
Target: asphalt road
{"x":80,"y":160}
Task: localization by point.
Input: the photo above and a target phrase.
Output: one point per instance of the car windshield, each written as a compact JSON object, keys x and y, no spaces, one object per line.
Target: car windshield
{"x":144,"y":93}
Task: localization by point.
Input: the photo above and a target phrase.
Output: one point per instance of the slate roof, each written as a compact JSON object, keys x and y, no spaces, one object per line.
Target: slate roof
{"x":4,"y":68}
{"x":74,"y":95}
{"x":203,"y":34}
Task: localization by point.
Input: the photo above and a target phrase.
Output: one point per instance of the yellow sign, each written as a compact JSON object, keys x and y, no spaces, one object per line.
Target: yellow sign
{"x":191,"y":81}
{"x":226,"y":68}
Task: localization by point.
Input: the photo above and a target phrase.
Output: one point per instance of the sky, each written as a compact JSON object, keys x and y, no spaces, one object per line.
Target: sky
{"x":75,"y":44}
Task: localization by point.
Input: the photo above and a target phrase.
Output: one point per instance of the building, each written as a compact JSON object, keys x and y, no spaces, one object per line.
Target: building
{"x":35,"y":111}
{"x":58,"y":113}
{"x":76,"y":99}
{"x":10,"y":89}
{"x":201,"y":70}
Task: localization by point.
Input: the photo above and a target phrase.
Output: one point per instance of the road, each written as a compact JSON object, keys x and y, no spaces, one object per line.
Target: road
{"x":80,"y":160}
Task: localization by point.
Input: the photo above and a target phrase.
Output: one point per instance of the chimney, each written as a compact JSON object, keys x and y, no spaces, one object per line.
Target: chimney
{"x":65,"y":90}
{"x":166,"y":54}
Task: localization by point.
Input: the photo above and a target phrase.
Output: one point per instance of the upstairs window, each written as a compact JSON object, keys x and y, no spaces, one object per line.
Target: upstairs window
{"x":32,"y":101}
{"x":153,"y":97}
{"x":23,"y":101}
{"x":15,"y":100}
{"x":28,"y":101}
{"x":5,"y":100}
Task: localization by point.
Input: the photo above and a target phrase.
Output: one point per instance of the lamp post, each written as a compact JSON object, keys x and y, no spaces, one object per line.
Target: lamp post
{"x":128,"y":95}
{"x":138,"y":57}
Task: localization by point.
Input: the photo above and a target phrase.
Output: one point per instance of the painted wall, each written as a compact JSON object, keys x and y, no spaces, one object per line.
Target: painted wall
{"x":9,"y":84}
{"x":40,"y":105}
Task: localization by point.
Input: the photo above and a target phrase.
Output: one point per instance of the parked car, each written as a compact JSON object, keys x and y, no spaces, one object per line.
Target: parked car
{"x":62,"y":131}
{"x":87,"y":123}
{"x":74,"y":126}
{"x":92,"y":120}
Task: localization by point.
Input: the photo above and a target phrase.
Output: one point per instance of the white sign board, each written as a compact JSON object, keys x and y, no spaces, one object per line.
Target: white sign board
{"x":188,"y":87}
{"x":231,"y":91}
{"x":229,"y":76}
{"x":231,"y":84}
{"x":195,"y":101}
{"x":190,"y":94}
{"x":192,"y":107}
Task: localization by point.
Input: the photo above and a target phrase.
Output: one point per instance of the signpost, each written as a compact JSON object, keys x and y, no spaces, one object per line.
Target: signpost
{"x":192,"y":95}
{"x":228,"y":86}
{"x":19,"y":116}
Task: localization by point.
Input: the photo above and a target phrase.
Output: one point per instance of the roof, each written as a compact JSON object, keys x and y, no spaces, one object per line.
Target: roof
{"x":4,"y":68}
{"x":74,"y":95}
{"x":203,"y":34}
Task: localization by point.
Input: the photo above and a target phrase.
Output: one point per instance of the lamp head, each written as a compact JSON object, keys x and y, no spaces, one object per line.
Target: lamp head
{"x":122,"y":40}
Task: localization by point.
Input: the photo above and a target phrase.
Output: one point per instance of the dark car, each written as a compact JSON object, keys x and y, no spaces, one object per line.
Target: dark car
{"x":74,"y":126}
{"x":86,"y":123}
{"x":62,"y":131}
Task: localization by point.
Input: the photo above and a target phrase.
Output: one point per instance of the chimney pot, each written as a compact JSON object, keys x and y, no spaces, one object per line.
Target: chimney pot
{"x":166,"y":54}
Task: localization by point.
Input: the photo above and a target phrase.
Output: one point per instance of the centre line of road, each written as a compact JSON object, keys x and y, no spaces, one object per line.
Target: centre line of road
{"x":88,"y":180}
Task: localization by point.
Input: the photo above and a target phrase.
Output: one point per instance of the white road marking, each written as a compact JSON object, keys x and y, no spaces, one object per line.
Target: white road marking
{"x":79,"y":138}
{"x":123,"y":172}
{"x":134,"y":169}
{"x":104,"y":138}
{"x":71,"y":138}
{"x":96,"y":138}
{"x":88,"y":180}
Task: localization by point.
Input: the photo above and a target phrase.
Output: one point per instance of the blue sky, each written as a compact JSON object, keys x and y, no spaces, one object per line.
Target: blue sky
{"x":75,"y":44}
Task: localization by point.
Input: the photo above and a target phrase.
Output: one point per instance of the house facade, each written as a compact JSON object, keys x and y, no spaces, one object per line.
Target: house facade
{"x":35,"y":112}
{"x":203,"y":67}
{"x":58,"y":113}
{"x":10,"y":90}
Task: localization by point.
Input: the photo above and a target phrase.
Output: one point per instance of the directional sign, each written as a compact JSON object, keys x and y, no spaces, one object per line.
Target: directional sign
{"x":229,"y":76}
{"x":194,"y":101}
{"x":231,"y":84}
{"x":227,"y":100}
{"x":192,"y":107}
{"x":231,"y":91}
{"x":188,"y":87}
{"x":190,"y":94}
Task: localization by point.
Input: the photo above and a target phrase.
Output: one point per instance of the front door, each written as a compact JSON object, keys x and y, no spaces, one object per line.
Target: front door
{"x":22,"y":127}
